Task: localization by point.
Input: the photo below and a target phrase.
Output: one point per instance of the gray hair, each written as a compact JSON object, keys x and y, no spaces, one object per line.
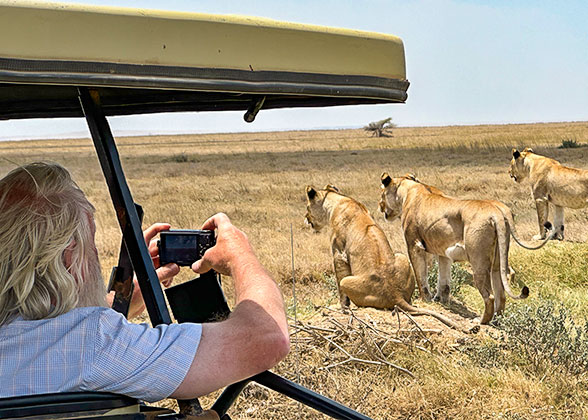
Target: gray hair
{"x":43,"y":213}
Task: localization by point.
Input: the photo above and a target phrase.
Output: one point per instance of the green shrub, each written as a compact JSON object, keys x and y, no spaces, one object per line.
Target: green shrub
{"x":488,"y":353}
{"x":538,"y":339}
{"x":180,"y":158}
{"x":547,"y":337}
{"x":569,"y":144}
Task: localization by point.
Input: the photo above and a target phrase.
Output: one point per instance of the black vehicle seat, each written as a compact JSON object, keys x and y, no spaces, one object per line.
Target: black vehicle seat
{"x":78,"y":405}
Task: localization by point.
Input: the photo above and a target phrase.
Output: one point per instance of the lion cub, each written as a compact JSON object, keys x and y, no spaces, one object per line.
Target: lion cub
{"x":368,"y":272}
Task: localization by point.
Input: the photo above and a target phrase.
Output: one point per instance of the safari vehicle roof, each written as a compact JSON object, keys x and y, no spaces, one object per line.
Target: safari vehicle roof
{"x":59,"y":60}
{"x":144,"y":61}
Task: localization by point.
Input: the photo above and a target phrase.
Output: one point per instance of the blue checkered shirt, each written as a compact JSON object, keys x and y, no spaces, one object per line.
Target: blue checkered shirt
{"x":95,"y":349}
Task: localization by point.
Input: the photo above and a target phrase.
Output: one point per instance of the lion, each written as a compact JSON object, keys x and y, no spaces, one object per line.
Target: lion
{"x":477,"y":231}
{"x":551,"y":182}
{"x":368,"y":272}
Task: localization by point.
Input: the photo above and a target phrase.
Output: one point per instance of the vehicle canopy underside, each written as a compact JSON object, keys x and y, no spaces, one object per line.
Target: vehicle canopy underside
{"x":84,"y":61}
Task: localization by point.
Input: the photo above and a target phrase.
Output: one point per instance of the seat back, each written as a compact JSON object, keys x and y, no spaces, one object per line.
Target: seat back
{"x":70,"y":405}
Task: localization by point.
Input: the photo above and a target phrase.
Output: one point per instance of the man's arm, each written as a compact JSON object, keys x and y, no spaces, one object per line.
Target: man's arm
{"x":255,"y":336}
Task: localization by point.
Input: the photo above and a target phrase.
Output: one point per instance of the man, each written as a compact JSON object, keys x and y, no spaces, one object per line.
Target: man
{"x":56,"y":335}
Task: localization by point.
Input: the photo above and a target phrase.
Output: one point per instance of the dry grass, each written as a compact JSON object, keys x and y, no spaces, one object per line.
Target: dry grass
{"x":258,"y":179}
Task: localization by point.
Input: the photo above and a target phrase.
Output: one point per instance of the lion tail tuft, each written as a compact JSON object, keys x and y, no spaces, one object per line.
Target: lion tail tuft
{"x":525,"y":292}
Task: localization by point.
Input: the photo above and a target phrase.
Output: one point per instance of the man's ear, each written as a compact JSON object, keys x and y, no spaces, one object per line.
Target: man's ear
{"x":516,"y":154}
{"x":310,"y":192}
{"x":386,"y":180}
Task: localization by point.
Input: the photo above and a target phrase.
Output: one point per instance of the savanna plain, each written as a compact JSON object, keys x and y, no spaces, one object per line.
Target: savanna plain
{"x":533,"y":364}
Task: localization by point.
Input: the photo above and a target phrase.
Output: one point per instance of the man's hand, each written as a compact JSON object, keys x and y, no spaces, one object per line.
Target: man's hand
{"x":167,"y":272}
{"x":232,"y":249}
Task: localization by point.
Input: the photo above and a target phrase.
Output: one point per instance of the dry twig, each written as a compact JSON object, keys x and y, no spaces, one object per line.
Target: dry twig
{"x":350,"y":340}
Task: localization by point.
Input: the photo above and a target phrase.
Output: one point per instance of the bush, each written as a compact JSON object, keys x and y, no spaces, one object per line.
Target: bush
{"x":180,"y":158}
{"x":547,"y":337}
{"x":569,"y":144}
{"x":540,"y":339}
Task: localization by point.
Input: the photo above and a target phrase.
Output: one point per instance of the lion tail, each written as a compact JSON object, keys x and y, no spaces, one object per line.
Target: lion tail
{"x":510,"y":221}
{"x":503,"y":228}
{"x":550,"y":229}
{"x":412,"y":310}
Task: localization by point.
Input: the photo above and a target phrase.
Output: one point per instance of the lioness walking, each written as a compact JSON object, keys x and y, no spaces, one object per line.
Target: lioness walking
{"x":368,"y":272}
{"x":477,"y":231}
{"x":551,"y":182}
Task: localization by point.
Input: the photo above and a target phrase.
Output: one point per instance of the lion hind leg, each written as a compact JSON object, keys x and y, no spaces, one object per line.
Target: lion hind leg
{"x":482,"y":283}
{"x":364,"y":292}
{"x":342,"y":270}
{"x":542,"y":206}
{"x":558,"y":222}
{"x":497,"y":284}
{"x":418,"y":259}
{"x":443,"y":287}
{"x":499,"y":294}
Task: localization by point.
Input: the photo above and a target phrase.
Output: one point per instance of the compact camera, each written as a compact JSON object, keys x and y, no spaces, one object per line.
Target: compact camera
{"x":201,"y":299}
{"x":184,"y":246}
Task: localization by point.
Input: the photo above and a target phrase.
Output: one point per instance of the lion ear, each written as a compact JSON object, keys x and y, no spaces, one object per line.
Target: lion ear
{"x":330,"y":187}
{"x":516,"y":154}
{"x":386,"y":179}
{"x":412,"y":177}
{"x":528,"y":150}
{"x":310,"y":192}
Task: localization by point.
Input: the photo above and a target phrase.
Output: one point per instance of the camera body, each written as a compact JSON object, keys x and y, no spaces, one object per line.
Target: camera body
{"x":184,"y":246}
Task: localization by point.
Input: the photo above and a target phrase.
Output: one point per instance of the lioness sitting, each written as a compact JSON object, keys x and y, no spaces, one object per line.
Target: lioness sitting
{"x":368,"y":272}
{"x":477,"y":231}
{"x":551,"y":182}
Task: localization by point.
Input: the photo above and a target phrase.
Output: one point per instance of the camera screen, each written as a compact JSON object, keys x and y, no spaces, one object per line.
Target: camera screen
{"x":182,"y":249}
{"x":181,"y":242}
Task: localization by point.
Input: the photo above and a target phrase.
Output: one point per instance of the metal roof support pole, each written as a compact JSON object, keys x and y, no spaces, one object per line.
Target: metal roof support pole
{"x":307,"y":397}
{"x":124,"y":206}
{"x":290,"y":389}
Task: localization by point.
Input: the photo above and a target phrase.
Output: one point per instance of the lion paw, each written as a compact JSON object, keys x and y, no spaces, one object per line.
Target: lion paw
{"x":443,"y":299}
{"x":495,"y":322}
{"x":474,"y":330}
{"x":426,"y":296}
{"x":538,"y":237}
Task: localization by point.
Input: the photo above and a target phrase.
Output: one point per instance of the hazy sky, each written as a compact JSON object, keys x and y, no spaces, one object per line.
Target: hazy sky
{"x":469,"y":62}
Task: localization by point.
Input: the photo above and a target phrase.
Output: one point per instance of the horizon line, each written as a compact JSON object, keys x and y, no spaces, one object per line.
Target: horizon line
{"x":73,"y":135}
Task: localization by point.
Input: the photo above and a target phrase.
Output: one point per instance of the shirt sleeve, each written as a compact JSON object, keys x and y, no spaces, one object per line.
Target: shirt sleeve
{"x":138,"y":360}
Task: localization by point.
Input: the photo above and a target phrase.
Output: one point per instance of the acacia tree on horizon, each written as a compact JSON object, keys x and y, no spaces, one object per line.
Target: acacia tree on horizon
{"x":382,"y":128}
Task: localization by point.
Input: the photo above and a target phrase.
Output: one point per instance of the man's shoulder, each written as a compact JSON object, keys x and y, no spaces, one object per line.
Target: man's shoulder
{"x":91,"y":314}
{"x":103,"y":321}
{"x":75,"y":318}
